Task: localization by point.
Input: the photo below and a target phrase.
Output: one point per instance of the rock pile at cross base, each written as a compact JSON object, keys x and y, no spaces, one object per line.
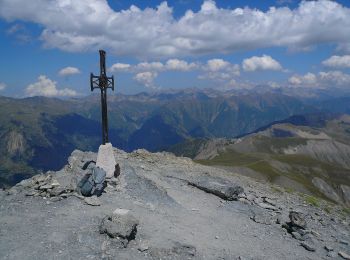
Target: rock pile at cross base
{"x":165,"y":207}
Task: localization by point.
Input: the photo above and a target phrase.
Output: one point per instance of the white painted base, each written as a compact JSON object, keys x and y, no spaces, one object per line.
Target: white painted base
{"x":106,"y":160}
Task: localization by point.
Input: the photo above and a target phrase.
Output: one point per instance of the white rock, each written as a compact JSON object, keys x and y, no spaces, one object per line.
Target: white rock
{"x":106,"y":160}
{"x":121,"y":211}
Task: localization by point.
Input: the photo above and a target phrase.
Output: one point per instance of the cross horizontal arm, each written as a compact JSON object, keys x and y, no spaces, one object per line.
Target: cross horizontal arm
{"x":95,"y":82}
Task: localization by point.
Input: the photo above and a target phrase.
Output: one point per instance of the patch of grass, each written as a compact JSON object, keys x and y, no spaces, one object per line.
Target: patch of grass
{"x":230,"y":158}
{"x":276,"y":189}
{"x":346,"y":211}
{"x":189,"y":148}
{"x":265,"y":144}
{"x":289,"y":190}
{"x":264,"y":168}
{"x":312,"y":200}
{"x":328,"y":209}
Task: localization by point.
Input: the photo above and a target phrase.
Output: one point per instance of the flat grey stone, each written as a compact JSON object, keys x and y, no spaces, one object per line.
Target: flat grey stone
{"x":328,"y":248}
{"x":344,"y":255}
{"x":308,"y":246}
{"x":92,"y":201}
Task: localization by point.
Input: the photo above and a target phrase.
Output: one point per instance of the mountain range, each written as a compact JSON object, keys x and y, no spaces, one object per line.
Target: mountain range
{"x":38,"y":133}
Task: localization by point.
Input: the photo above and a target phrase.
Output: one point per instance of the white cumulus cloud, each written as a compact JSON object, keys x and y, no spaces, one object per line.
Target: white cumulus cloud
{"x":47,"y":87}
{"x":146,"y":78}
{"x":176,"y":64}
{"x":68,"y":71}
{"x":338,"y":61}
{"x":120,"y":67}
{"x":322,"y":79}
{"x":154,"y":66}
{"x":264,"y":62}
{"x":335,"y":77}
{"x":2,"y":86}
{"x":219,"y":70}
{"x":82,"y":25}
{"x":308,"y":79}
{"x":217,"y":64}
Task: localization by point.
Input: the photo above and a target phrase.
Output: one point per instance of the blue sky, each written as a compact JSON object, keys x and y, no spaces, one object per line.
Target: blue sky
{"x":50,"y":47}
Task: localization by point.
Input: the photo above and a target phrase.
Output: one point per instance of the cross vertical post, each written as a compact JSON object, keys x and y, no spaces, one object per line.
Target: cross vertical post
{"x":103,"y":83}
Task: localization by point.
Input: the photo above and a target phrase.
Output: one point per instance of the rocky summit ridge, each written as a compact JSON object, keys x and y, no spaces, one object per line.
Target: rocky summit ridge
{"x":165,"y":207}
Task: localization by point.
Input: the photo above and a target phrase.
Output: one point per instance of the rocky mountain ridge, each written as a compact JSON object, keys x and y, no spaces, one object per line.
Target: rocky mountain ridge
{"x":309,"y":154}
{"x":165,"y":207}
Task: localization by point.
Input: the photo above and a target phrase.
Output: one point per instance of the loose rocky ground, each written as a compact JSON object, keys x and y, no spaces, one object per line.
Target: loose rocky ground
{"x":165,"y":207}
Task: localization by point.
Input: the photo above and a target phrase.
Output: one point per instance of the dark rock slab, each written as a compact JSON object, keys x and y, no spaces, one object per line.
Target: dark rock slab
{"x":223,"y":189}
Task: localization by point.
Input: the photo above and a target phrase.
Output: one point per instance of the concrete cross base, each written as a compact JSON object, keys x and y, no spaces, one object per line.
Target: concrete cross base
{"x":106,"y":160}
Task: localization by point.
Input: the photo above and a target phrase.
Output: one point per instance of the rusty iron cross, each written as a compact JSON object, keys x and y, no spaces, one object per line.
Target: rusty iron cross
{"x":103,"y":83}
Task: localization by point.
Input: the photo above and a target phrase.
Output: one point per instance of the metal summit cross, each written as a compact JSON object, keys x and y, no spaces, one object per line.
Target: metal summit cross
{"x":103,"y":83}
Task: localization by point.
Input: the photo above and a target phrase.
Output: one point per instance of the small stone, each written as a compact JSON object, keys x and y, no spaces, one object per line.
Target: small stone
{"x":269,"y":201}
{"x":92,"y":201}
{"x":297,"y":219}
{"x":267,"y":206}
{"x":279,"y":220}
{"x":45,"y":187}
{"x":55,"y":199}
{"x":308,"y":236}
{"x":55,"y":183}
{"x":328,"y":248}
{"x":297,"y":236}
{"x":344,"y":242}
{"x":332,"y":254}
{"x":316,"y":234}
{"x":75,"y":194}
{"x":250,"y":197}
{"x":143,"y":247}
{"x":302,"y":232}
{"x":31,"y":193}
{"x":308,"y":246}
{"x":56,"y":191}
{"x":344,"y":255}
{"x":216,"y":237}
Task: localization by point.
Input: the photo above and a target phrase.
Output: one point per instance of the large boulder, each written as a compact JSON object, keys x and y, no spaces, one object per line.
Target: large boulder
{"x":121,"y":224}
